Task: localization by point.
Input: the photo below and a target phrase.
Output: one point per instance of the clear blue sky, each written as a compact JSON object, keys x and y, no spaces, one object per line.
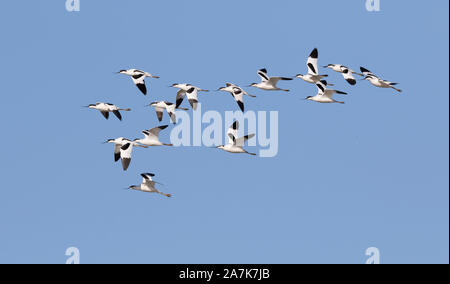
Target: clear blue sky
{"x":373,"y":172}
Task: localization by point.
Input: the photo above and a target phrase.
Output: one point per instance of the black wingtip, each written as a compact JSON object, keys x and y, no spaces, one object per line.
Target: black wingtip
{"x":264,"y":70}
{"x":241,"y":106}
{"x":142,"y":88}
{"x":235,"y":125}
{"x":126,"y":163}
{"x":351,"y":82}
{"x":364,"y":70}
{"x":314,"y":54}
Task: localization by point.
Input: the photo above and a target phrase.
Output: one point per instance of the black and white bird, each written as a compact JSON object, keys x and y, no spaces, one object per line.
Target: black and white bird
{"x":122,"y":150}
{"x":106,"y":108}
{"x":325,"y":95}
{"x":162,"y":106}
{"x":269,"y":83}
{"x":313,"y":70}
{"x":138,"y":77}
{"x":377,"y":81}
{"x":191,"y":92}
{"x":237,"y":93}
{"x":148,"y":185}
{"x":346,"y":72}
{"x":235,"y":144}
{"x":152,"y":137}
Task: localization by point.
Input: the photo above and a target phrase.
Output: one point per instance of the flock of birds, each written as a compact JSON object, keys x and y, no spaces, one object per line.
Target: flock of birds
{"x":123,"y":147}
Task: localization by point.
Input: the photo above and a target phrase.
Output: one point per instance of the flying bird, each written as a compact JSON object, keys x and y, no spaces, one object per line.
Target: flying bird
{"x":237,"y":93}
{"x":325,"y":95}
{"x":126,"y":150}
{"x":313,"y":71}
{"x":235,"y":144}
{"x":106,"y":108}
{"x":152,"y":137}
{"x":122,"y":152}
{"x":167,"y":106}
{"x":148,"y":185}
{"x":377,"y":81}
{"x":138,"y":77}
{"x":269,"y":83}
{"x":190,"y":91}
{"x":346,"y":72}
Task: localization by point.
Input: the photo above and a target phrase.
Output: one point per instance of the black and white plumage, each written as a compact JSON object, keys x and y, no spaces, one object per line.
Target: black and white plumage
{"x":325,"y":95}
{"x":106,"y":108}
{"x":346,"y":72}
{"x":313,"y":69}
{"x":122,"y":150}
{"x":191,"y":92}
{"x":152,"y":137}
{"x":377,"y":81}
{"x":169,"y":107}
{"x":235,"y":144}
{"x":138,"y":77}
{"x":269,"y":83}
{"x":148,"y":185}
{"x":237,"y":93}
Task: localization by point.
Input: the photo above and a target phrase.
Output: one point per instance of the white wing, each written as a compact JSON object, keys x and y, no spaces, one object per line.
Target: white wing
{"x":139,"y":81}
{"x":367,"y":72}
{"x":233,"y":132}
{"x":321,"y":87}
{"x":312,"y":62}
{"x":238,"y":95}
{"x":125,"y":154}
{"x":348,"y":76}
{"x":180,"y":97}
{"x":241,"y":141}
{"x":263,"y":74}
{"x":153,"y":134}
{"x":192,"y":95}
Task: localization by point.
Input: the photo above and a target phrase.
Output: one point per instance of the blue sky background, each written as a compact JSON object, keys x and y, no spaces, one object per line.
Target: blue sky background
{"x":373,"y":172}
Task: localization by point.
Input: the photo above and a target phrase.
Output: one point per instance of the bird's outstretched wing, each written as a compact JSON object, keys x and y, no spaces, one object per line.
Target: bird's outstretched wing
{"x":348,"y":76}
{"x":180,"y":97}
{"x":153,"y":133}
{"x":139,"y":81}
{"x":312,"y":62}
{"x":263,"y":74}
{"x":125,"y":154}
{"x":192,"y":95}
{"x":241,"y":141}
{"x":233,"y":131}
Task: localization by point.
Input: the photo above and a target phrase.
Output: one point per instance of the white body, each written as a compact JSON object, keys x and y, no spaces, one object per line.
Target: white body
{"x":106,"y":108}
{"x":148,"y":185}
{"x":152,"y":137}
{"x":269,"y":83}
